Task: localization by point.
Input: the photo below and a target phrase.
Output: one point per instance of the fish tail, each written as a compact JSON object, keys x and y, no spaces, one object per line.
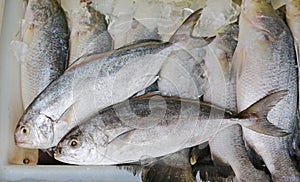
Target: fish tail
{"x":184,"y":32}
{"x":258,"y":112}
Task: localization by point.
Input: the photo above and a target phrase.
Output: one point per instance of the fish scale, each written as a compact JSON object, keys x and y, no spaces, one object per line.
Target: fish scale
{"x":264,"y":61}
{"x":227,"y":146}
{"x":46,"y":54}
{"x":181,"y":125}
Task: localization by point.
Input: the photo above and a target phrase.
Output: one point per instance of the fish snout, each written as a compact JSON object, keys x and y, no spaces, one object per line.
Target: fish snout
{"x":58,"y":151}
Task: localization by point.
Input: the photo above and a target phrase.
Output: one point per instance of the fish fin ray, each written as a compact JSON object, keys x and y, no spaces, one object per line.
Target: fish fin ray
{"x":123,"y":136}
{"x":184,"y":32}
{"x":258,"y":113}
{"x":68,"y":115}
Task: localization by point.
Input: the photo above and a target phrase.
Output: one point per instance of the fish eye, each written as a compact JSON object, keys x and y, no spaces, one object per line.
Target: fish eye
{"x":24,"y":130}
{"x":74,"y":143}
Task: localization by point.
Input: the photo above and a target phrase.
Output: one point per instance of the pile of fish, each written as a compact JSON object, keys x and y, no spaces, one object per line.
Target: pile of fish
{"x":154,"y":102}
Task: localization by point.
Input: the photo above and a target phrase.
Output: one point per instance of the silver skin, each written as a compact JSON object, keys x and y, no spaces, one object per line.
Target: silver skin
{"x":150,"y":127}
{"x":264,"y":60}
{"x":46,"y":37}
{"x":88,"y":32}
{"x":218,"y":60}
{"x":110,"y":77}
{"x":222,"y":92}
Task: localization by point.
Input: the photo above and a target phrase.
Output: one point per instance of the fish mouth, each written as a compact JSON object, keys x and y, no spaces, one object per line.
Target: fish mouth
{"x":55,"y":155}
{"x":23,"y":144}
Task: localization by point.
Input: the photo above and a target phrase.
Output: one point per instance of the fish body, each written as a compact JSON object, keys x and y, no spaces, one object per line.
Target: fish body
{"x":89,"y":33}
{"x":218,"y":60}
{"x":45,"y":45}
{"x":146,"y":128}
{"x":95,"y":82}
{"x":222,"y":92}
{"x":264,"y":60}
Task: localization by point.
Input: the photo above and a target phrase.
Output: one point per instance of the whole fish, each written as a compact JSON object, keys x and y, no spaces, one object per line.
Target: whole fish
{"x":89,"y":33}
{"x":264,"y":60}
{"x":42,"y":51}
{"x":43,"y":45}
{"x":143,"y":129}
{"x":97,"y":82}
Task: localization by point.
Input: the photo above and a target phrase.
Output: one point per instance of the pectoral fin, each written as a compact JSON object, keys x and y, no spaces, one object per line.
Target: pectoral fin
{"x":69,"y":114}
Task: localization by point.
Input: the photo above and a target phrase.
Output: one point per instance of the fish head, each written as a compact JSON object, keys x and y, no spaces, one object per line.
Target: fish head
{"x":80,"y":146}
{"x":34,"y":130}
{"x":255,"y":8}
{"x":86,"y":18}
{"x":261,"y":16}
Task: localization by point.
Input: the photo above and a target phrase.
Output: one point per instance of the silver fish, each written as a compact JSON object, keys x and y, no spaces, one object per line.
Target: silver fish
{"x":143,"y":129}
{"x":44,"y":45}
{"x":97,"y":82}
{"x":222,"y":92}
{"x":264,"y":60}
{"x":218,"y":60}
{"x":89,"y":33}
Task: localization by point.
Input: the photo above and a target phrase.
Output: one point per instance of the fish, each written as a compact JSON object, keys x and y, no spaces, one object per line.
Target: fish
{"x":229,"y":142}
{"x":154,"y":126}
{"x":89,"y":34}
{"x":218,"y":60}
{"x":174,"y":167}
{"x":264,"y":60}
{"x":95,"y":82}
{"x":42,"y":51}
{"x":222,"y":92}
{"x":43,"y":47}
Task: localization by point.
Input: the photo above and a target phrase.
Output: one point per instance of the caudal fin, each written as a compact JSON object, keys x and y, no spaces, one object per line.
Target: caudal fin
{"x":184,"y":32}
{"x":258,"y":113}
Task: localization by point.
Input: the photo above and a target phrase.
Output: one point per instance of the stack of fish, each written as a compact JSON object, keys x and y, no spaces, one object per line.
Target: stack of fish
{"x":142,"y":102}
